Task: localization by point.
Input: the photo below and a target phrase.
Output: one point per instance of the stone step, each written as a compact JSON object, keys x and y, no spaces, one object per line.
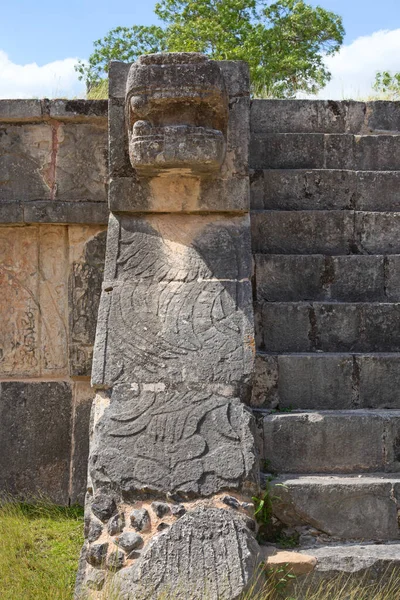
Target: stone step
{"x":323,"y":116}
{"x":324,"y":189}
{"x":324,"y":151}
{"x":344,"y":441}
{"x":325,"y":232}
{"x":297,"y":327}
{"x":341,"y":507}
{"x":315,"y":277}
{"x":318,"y":381}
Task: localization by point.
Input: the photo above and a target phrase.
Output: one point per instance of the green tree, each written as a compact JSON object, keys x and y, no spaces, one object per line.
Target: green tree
{"x":284,"y":42}
{"x":388,"y":84}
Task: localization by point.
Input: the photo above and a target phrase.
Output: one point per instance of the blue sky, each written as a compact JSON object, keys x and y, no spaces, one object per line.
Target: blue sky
{"x":50,"y":30}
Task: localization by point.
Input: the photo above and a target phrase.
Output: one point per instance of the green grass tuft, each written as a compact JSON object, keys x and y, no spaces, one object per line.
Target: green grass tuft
{"x":39,"y":550}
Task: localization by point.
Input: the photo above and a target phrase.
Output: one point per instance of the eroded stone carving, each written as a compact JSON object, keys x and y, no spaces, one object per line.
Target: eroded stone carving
{"x":176,"y":113}
{"x":173,"y":458}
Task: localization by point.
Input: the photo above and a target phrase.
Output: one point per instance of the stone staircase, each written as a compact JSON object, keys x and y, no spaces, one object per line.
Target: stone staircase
{"x":325,"y":192}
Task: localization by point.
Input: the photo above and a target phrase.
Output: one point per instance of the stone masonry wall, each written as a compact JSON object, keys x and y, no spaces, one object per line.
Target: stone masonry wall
{"x":53,"y":157}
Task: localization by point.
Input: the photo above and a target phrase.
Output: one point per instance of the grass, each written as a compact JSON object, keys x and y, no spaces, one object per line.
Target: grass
{"x":40,"y":545}
{"x":39,"y":550}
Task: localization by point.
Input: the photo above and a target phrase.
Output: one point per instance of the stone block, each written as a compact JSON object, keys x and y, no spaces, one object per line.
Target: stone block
{"x":79,"y":110}
{"x":174,"y":438}
{"x":236,"y":76}
{"x":80,"y":171}
{"x":284,"y":116}
{"x":238,"y":138}
{"x":54,"y":211}
{"x":379,"y":381}
{"x":11,"y":212}
{"x":117,"y":76}
{"x":283,"y":327}
{"x":26,"y":170}
{"x":289,"y":278}
{"x":378,"y":190}
{"x":381,"y":327}
{"x":377,"y":153}
{"x":265,"y":382}
{"x":302,"y":232}
{"x":346,"y":508}
{"x":392,"y":279}
{"x":83,"y":396}
{"x":20,"y":110}
{"x":341,"y":117}
{"x":36,"y":437}
{"x":174,"y":331}
{"x":317,"y":381}
{"x":358,"y":278}
{"x":301,"y":189}
{"x":287,"y":151}
{"x":338,"y":327}
{"x":32,"y":305}
{"x":118,"y":159}
{"x":339,"y":151}
{"x":84,"y":291}
{"x":383,"y":116}
{"x":357,"y":441}
{"x":211,"y":548}
{"x":378,"y":233}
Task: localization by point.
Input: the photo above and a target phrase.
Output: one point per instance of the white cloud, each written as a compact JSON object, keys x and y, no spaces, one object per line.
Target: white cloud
{"x":57,"y":79}
{"x":354,"y":67}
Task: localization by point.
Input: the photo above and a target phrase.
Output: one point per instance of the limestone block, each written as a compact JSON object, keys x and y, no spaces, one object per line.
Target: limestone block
{"x":84,"y":291}
{"x":289,"y":277}
{"x":83,"y":395}
{"x":36,"y":436}
{"x":348,"y":508}
{"x":283,"y":327}
{"x":265,"y":382}
{"x":317,"y":381}
{"x":302,"y":232}
{"x":383,"y":116}
{"x":378,"y":190}
{"x":378,"y":233}
{"x":302,"y":189}
{"x":291,"y":562}
{"x":206,"y":552}
{"x":181,"y":301}
{"x":26,"y":168}
{"x":173,"y":438}
{"x":287,"y":151}
{"x":20,"y":353}
{"x":339,"y":441}
{"x":379,"y":377}
{"x":381,"y":327}
{"x":358,"y":278}
{"x":80,"y":171}
{"x":55,"y":211}
{"x":53,"y":290}
{"x":339,"y":327}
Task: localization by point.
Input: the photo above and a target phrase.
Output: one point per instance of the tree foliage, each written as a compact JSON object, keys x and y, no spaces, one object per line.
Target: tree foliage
{"x":284,"y":41}
{"x":388,"y":84}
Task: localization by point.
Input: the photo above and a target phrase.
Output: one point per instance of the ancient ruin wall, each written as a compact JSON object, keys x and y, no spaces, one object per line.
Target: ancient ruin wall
{"x":53,"y":157}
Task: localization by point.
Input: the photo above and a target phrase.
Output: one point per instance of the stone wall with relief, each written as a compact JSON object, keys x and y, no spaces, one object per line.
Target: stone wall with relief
{"x":53,"y":211}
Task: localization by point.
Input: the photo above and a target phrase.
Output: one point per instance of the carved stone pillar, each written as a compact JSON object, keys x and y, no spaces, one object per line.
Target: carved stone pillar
{"x":173,"y":461}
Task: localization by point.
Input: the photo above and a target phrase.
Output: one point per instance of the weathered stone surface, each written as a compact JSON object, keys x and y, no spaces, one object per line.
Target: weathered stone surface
{"x":302,"y":232}
{"x":52,"y":211}
{"x":378,"y":190}
{"x":265,"y":382}
{"x":338,"y":441}
{"x":284,"y":327}
{"x":287,"y":151}
{"x":207,"y":445}
{"x":84,"y":292}
{"x":116,"y":524}
{"x":379,"y":377}
{"x":140,"y":519}
{"x":206,"y":552}
{"x":83,"y":398}
{"x":317,"y":381}
{"x":103,"y":506}
{"x":195,"y":318}
{"x":36,"y":436}
{"x":129,"y":541}
{"x":33,"y":335}
{"x":347,"y":508}
{"x":297,"y":278}
{"x":378,"y":233}
{"x":291,"y":562}
{"x":96,"y":554}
